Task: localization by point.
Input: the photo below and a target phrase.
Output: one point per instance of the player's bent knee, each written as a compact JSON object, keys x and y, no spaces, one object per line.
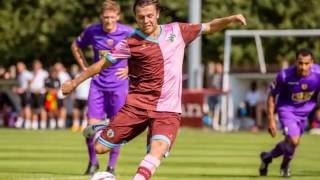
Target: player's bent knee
{"x":294,"y":141}
{"x":100,"y":149}
{"x":159,"y":148}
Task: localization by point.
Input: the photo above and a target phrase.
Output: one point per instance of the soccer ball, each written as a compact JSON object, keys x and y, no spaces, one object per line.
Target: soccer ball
{"x":103,"y":176}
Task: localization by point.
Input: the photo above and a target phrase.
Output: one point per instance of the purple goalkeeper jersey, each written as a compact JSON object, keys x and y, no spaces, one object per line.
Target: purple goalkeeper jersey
{"x":296,"y":94}
{"x":102,"y":42}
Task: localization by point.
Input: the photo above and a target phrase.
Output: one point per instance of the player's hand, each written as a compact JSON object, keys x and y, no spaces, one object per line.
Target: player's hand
{"x":239,"y":18}
{"x":122,"y":73}
{"x":67,"y":87}
{"x":272,"y":129}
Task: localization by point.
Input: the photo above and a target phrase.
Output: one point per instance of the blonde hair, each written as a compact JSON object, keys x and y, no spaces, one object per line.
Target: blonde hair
{"x":109,"y":5}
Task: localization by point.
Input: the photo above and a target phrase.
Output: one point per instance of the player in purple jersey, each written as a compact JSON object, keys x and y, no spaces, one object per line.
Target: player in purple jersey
{"x":109,"y":88}
{"x":296,"y":90}
{"x":155,"y":55}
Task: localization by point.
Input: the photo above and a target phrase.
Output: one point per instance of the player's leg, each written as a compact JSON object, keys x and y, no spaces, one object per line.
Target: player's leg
{"x":295,"y":131}
{"x":278,"y":150}
{"x":62,"y":103}
{"x":95,"y":115}
{"x":36,"y":111}
{"x":291,"y":130}
{"x":164,"y":130}
{"x":290,"y":146}
{"x":126,"y":125}
{"x":76,"y":116}
{"x":20,"y":119}
{"x":116,"y":100}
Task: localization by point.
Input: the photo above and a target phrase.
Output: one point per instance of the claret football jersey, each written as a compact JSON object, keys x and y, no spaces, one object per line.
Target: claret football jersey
{"x":155,"y":65}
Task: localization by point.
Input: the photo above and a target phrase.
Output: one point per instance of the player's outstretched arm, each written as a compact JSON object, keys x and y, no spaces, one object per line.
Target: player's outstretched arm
{"x":92,"y":70}
{"x":220,"y":23}
{"x":78,"y":55}
{"x":272,"y":128}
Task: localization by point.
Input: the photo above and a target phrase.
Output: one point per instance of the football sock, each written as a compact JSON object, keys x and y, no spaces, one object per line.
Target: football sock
{"x":278,"y":150}
{"x":92,"y":154}
{"x":113,"y":157}
{"x":289,"y":151}
{"x":147,"y":168}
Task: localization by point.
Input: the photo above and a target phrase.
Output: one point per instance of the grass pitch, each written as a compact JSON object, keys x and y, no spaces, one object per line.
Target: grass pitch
{"x":197,"y":155}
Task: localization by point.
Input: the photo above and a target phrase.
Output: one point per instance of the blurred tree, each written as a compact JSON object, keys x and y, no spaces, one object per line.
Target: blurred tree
{"x":45,"y":28}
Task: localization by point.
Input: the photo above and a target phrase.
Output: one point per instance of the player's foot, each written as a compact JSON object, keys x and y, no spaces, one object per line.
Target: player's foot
{"x":91,"y":130}
{"x":285,"y":172}
{"x":111,"y":170}
{"x":265,"y":161}
{"x":284,"y":169}
{"x":91,"y":169}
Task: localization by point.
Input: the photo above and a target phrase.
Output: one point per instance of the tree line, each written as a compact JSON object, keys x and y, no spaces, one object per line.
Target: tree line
{"x":44,"y":29}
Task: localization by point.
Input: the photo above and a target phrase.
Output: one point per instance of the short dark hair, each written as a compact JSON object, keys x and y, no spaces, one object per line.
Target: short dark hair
{"x":304,"y":52}
{"x":145,"y":3}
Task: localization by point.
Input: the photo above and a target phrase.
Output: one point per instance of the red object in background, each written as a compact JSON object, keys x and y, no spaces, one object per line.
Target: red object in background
{"x":192,"y":106}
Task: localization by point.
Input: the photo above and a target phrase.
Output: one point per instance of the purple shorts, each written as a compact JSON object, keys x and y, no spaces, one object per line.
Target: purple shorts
{"x":291,"y":124}
{"x":102,"y":104}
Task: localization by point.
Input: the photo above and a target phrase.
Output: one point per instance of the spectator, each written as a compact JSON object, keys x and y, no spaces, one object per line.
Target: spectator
{"x":38,"y":90}
{"x":252,"y":99}
{"x":215,"y":73}
{"x":23,"y":90}
{"x":52,"y":85}
{"x":315,"y":123}
{"x":62,"y":101}
{"x":80,"y":107}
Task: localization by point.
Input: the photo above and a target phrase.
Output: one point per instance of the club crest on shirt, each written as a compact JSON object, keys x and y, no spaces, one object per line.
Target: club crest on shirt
{"x":304,"y":86}
{"x":110,"y":133}
{"x":171,"y":37}
{"x":110,"y":42}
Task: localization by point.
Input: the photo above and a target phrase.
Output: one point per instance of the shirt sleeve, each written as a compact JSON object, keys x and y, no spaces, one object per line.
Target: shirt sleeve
{"x":84,"y":39}
{"x":190,"y":31}
{"x":277,"y":85}
{"x":120,"y":52}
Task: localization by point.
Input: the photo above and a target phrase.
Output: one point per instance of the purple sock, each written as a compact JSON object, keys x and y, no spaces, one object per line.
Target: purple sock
{"x":113,"y":157}
{"x":92,"y":154}
{"x":288,"y":155}
{"x":278,"y":150}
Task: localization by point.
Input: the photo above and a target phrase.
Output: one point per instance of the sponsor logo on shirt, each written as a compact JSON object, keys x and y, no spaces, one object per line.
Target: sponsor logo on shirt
{"x":302,"y":96}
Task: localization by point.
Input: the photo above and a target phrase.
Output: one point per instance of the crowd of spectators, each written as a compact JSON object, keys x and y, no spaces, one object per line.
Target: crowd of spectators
{"x":31,"y":99}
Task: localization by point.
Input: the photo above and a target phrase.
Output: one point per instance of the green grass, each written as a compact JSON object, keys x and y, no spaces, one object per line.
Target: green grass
{"x":197,"y":155}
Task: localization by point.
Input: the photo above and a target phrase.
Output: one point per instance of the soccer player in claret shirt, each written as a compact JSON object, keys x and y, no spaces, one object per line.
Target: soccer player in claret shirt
{"x":155,"y":55}
{"x":109,"y":89}
{"x":296,"y":90}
